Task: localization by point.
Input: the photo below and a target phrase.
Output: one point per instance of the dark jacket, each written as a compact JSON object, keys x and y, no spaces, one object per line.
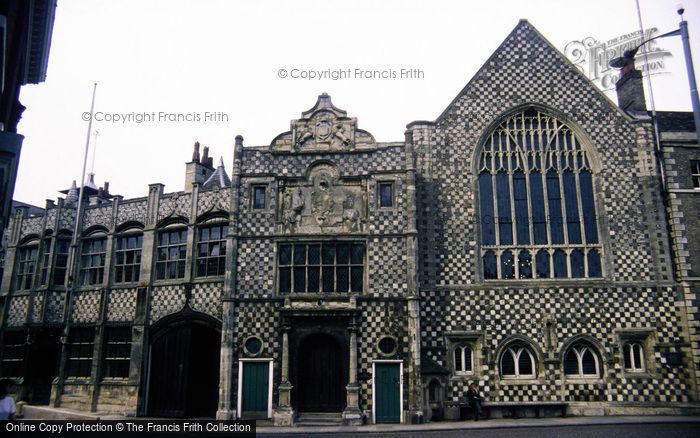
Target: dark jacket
{"x":473,"y":395}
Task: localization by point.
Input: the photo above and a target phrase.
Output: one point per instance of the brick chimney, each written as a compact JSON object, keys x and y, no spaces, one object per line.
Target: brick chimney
{"x":630,"y":89}
{"x":198,"y":170}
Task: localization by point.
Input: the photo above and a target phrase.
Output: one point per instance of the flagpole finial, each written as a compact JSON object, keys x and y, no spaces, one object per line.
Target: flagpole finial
{"x":680,"y":9}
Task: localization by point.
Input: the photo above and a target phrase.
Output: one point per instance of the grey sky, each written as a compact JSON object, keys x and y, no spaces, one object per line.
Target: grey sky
{"x":189,"y":58}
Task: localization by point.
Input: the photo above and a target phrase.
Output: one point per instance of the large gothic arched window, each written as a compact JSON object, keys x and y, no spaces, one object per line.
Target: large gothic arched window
{"x":537,"y":208}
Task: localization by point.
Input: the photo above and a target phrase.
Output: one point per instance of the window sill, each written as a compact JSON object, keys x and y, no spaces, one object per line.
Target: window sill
{"x":584,"y":380}
{"x":90,"y":287}
{"x":462,"y":375}
{"x":125,"y":285}
{"x":78,"y":381}
{"x":209,"y":279}
{"x":638,"y":375}
{"x":169,"y":282}
{"x":521,"y":381}
{"x":117,"y":381}
{"x":549,"y":281}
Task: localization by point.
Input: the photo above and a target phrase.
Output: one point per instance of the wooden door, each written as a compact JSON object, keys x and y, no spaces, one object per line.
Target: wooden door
{"x":167,"y":389}
{"x":387,"y":381}
{"x":321,"y":386}
{"x":255,"y":390}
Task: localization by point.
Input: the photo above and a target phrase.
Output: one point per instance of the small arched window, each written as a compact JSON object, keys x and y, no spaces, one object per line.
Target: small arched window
{"x":634,"y":357}
{"x":518,"y":362}
{"x":434,"y":392}
{"x":536,"y":200}
{"x":463,"y":359}
{"x":581,"y":360}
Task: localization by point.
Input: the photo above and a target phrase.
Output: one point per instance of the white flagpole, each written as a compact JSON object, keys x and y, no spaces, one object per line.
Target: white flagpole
{"x":74,"y":243}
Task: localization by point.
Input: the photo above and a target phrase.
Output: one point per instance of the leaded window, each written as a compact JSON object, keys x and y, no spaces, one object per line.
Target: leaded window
{"x":536,"y":196}
{"x":14,"y":348}
{"x":92,"y":260}
{"x":62,"y":247}
{"x":127,"y":266}
{"x":211,"y":250}
{"x":518,"y":362}
{"x":385,"y":191}
{"x":321,"y":267}
{"x":695,"y":173}
{"x":634,"y":357}
{"x":117,"y":352}
{"x":581,"y":360}
{"x":45,"y":262}
{"x":26,"y":265}
{"x":81,"y":346}
{"x":463,"y":359}
{"x":259,"y":197}
{"x":172,"y":252}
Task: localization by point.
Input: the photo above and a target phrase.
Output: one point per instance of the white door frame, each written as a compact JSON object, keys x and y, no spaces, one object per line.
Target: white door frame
{"x":240,"y":384}
{"x":374,"y":390}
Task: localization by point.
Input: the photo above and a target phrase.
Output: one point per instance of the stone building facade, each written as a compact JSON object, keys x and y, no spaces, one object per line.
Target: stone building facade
{"x":520,"y":240}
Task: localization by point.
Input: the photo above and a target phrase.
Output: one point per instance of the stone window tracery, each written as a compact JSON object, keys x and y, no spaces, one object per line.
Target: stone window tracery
{"x":518,"y":362}
{"x":536,"y":198}
{"x":581,"y":360}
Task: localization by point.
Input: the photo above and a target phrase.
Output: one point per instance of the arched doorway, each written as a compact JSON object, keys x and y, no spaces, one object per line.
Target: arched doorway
{"x":183,"y":378}
{"x":320,"y":376}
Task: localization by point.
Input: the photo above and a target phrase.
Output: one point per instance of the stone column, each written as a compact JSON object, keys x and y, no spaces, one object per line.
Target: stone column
{"x":226,"y":410}
{"x":284,"y":414}
{"x":415,"y":392}
{"x":352,"y":414}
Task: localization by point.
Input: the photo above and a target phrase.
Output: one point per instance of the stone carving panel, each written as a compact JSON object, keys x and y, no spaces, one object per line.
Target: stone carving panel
{"x":323,"y":204}
{"x":131,"y":212}
{"x":178,"y":204}
{"x":67,"y":219}
{"x":323,"y":128}
{"x":216,"y":199}
{"x":98,"y":216}
{"x":32,"y":225}
{"x":51,"y":218}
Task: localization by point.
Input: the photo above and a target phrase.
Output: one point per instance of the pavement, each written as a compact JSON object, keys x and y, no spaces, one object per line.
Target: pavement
{"x":46,"y":413}
{"x":501,"y":423}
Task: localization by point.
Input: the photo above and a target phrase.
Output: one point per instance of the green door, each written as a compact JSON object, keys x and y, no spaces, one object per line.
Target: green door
{"x":255,"y":389}
{"x":387,"y":397}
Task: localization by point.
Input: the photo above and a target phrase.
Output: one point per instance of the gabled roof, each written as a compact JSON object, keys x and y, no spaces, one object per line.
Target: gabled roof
{"x":218,"y":179}
{"x":526,"y":50}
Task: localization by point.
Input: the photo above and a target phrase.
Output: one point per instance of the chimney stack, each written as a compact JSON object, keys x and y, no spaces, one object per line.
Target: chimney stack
{"x":195,"y":153}
{"x":206,"y":159}
{"x":630,"y":89}
{"x":199,"y":169}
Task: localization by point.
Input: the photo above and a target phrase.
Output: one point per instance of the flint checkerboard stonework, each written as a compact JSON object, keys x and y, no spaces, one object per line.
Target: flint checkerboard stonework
{"x":422,"y":286}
